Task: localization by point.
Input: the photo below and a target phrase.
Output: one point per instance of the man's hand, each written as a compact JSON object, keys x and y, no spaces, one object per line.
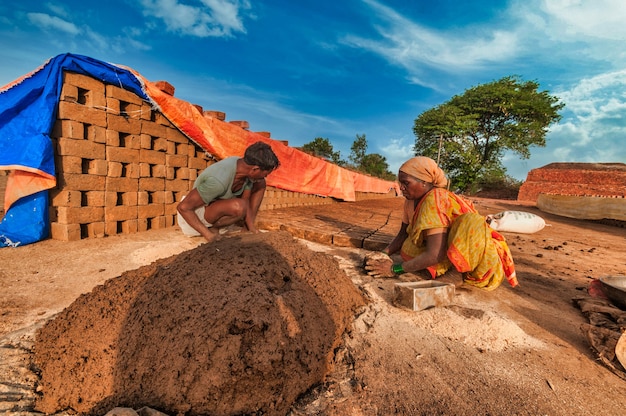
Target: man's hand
{"x":378,"y":264}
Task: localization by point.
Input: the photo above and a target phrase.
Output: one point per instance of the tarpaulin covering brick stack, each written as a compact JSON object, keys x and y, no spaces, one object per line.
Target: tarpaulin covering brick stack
{"x":28,"y":108}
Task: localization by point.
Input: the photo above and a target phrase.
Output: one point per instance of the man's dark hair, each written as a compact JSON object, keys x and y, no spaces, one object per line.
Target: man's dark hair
{"x":261,"y":154}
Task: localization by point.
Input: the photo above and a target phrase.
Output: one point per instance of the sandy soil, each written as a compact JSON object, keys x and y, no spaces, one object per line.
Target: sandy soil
{"x":512,"y":351}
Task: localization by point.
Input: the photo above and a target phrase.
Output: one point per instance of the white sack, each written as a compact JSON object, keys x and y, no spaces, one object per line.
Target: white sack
{"x":516,"y":222}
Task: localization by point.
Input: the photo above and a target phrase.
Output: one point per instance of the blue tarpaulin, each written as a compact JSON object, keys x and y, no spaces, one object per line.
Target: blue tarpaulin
{"x":28,"y":110}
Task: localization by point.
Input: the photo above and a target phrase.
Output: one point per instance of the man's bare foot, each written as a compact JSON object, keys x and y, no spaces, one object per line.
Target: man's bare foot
{"x":213,"y":234}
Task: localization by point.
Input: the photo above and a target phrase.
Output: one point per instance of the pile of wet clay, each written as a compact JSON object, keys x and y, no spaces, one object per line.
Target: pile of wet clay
{"x":241,"y":326}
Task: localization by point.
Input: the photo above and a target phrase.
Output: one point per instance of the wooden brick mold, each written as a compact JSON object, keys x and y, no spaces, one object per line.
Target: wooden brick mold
{"x":577,"y":179}
{"x":121,"y":166}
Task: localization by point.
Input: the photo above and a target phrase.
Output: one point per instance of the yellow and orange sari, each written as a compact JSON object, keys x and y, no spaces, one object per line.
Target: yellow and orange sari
{"x":474,"y":249}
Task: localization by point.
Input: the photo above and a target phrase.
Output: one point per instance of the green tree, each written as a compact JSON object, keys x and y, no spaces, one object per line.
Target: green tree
{"x":376,"y":165}
{"x":373,"y":163}
{"x":321,"y":147}
{"x":469,"y":134}
{"x":358,"y":150}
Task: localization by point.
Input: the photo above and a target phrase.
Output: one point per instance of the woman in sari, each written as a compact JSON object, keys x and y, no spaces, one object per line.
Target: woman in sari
{"x":440,"y":231}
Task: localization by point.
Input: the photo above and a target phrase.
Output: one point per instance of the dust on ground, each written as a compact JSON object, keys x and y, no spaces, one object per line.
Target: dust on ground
{"x":512,"y":351}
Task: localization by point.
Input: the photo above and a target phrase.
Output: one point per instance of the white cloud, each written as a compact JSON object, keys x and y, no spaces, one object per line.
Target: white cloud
{"x":412,"y":46}
{"x":45,"y":21}
{"x":211,"y":18}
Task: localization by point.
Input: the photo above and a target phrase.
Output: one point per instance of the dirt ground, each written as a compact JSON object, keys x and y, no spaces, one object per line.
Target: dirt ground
{"x":516,"y":351}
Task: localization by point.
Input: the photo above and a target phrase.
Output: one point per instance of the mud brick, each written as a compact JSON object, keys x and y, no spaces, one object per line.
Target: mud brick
{"x":114,"y":199}
{"x":158,"y":171}
{"x":121,"y":154}
{"x":95,"y":133}
{"x":145,"y":141}
{"x":318,"y":236}
{"x":196,"y":163}
{"x":145,"y":170}
{"x":161,"y":197}
{"x":151,"y":184}
{"x":69,"y":164}
{"x":150,"y":211}
{"x":142,"y":224}
{"x":113,"y":91}
{"x":82,"y":114}
{"x":69,"y":93}
{"x":130,"y":141}
{"x":94,"y":198}
{"x":170,"y":209}
{"x":143,"y":198}
{"x":120,"y":213}
{"x":130,"y":110}
{"x":112,"y":138}
{"x":152,"y":157}
{"x":78,"y":215}
{"x":81,"y":182}
{"x":347,"y":240}
{"x":115,"y":169}
{"x":191,"y":150}
{"x":69,"y":128}
{"x":133,"y":171}
{"x":170,"y":220}
{"x":176,"y":160}
{"x":193,"y":175}
{"x":91,"y":91}
{"x":175,"y":135}
{"x":153,"y":129}
{"x":129,"y":227}
{"x":241,"y":123}
{"x":160,"y":145}
{"x":121,"y":185}
{"x":95,"y":167}
{"x":110,"y":228}
{"x":179,"y":185}
{"x":159,"y":118}
{"x":65,"y":198}
{"x":158,"y":223}
{"x":166,"y":87}
{"x":82,"y":148}
{"x":170,"y":173}
{"x":183,"y":149}
{"x":374,"y":245}
{"x":294,"y":230}
{"x":215,"y":114}
{"x":146,"y":111}
{"x":123,"y":124}
{"x":65,"y":232}
{"x":182,"y":173}
{"x":95,"y":230}
{"x":171,"y":148}
{"x":168,"y":197}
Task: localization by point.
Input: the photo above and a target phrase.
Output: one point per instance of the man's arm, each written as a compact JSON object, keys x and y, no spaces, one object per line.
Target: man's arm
{"x":187,"y":208}
{"x":255,"y":198}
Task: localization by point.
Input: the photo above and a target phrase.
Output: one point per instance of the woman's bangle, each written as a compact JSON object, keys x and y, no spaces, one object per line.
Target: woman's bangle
{"x":397,"y":268}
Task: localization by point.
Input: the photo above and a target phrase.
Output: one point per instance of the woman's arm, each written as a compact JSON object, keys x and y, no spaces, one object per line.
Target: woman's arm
{"x":396,"y":243}
{"x":436,"y":248}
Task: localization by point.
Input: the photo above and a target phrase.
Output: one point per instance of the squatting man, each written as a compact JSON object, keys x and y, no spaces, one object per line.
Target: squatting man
{"x":231,"y":190}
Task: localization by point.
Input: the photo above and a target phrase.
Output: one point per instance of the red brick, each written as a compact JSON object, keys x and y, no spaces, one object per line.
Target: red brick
{"x":124,"y":124}
{"x":82,"y":148}
{"x":79,"y":215}
{"x":65,"y":232}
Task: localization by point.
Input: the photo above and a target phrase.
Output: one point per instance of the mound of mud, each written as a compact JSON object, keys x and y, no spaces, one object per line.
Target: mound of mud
{"x":241,"y":326}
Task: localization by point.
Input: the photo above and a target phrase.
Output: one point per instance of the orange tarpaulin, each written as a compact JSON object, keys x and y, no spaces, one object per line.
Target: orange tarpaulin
{"x":298,"y":171}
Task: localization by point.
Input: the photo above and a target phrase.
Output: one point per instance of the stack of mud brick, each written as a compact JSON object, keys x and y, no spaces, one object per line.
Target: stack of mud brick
{"x":121,"y":165}
{"x":576,"y":179}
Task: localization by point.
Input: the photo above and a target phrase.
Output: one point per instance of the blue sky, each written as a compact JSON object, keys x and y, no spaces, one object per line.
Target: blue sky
{"x":302,"y":69}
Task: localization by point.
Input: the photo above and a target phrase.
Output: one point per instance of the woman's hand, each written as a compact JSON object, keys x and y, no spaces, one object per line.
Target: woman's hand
{"x":378,"y":264}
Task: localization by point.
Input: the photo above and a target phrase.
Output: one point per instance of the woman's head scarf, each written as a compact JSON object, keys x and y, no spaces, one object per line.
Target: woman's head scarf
{"x":425,"y":169}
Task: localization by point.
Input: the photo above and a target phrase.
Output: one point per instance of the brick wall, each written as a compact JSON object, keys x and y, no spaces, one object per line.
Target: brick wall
{"x":122,"y":167}
{"x":578,"y":179}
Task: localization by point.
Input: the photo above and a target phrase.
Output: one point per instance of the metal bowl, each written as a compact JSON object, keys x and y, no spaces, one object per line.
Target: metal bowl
{"x":614,"y":288}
